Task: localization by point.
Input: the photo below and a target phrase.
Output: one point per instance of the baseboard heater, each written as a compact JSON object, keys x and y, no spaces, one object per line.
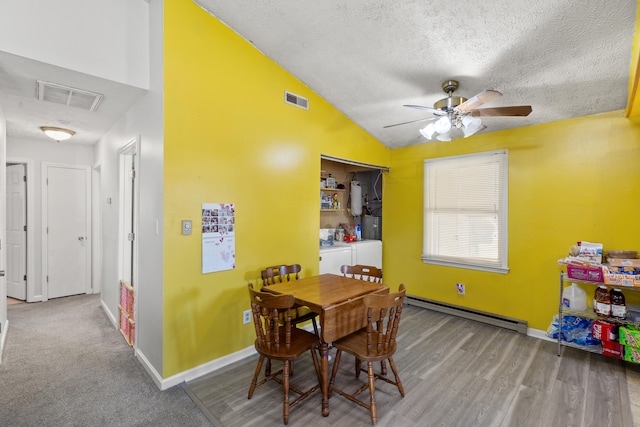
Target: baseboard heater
{"x":468,"y":313}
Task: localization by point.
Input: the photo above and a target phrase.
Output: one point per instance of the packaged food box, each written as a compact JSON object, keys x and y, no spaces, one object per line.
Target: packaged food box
{"x":604,"y":331}
{"x":589,"y":274}
{"x":592,"y":252}
{"x":629,"y":335}
{"x":623,"y":270}
{"x":624,"y":262}
{"x":619,"y":279}
{"x":631,"y":354}
{"x":613,"y":349}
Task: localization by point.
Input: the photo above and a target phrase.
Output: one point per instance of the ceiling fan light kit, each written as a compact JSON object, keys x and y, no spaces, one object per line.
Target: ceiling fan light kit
{"x":471,"y":125}
{"x":442,"y":125}
{"x":427,"y":131}
{"x":457,"y":112}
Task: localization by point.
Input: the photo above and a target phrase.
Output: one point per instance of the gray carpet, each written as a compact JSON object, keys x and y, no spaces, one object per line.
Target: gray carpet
{"x":66,"y":365}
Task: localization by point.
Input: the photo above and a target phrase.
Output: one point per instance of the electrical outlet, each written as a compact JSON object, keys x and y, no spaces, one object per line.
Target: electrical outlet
{"x":460,"y":288}
{"x":246,"y":317}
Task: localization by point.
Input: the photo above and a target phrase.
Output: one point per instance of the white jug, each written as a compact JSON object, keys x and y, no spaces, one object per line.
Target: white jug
{"x":574,"y":298}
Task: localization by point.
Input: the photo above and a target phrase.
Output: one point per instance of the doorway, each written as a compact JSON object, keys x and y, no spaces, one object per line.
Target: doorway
{"x":128,"y":232}
{"x":128,"y":195}
{"x":66,"y":230}
{"x":96,"y":230}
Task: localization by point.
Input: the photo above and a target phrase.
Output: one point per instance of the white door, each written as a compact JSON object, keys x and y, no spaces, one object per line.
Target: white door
{"x":16,"y":232}
{"x":66,"y":230}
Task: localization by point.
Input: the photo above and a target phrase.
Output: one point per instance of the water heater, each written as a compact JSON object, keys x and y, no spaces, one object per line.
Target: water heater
{"x":371,"y":227}
{"x":356,"y":198}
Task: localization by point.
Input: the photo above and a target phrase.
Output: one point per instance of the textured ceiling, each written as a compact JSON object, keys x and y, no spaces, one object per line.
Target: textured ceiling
{"x":25,"y":113}
{"x":369,"y":57}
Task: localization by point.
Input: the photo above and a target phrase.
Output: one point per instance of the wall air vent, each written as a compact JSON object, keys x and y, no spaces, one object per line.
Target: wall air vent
{"x":298,"y":101}
{"x":69,"y":96}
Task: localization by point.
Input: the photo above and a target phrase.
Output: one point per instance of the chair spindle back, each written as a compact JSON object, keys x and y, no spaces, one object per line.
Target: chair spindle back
{"x":362,"y":272}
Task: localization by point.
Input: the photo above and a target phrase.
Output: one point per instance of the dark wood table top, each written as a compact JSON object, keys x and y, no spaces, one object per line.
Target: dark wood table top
{"x":320,"y":292}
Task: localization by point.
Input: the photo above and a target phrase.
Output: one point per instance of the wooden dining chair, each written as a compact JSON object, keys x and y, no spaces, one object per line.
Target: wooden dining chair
{"x":300,"y":314}
{"x":280,"y":273}
{"x":280,"y":341}
{"x":375,"y":343}
{"x":367,"y":273}
{"x":362,"y":272}
{"x":286,"y":273}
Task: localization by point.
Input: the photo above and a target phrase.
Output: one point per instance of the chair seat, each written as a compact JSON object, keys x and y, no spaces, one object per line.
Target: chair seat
{"x":301,"y":341}
{"x":356,"y":345}
{"x":302,"y":313}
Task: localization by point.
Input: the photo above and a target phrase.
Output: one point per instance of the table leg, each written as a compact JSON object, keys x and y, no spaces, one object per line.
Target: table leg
{"x":324,"y":355}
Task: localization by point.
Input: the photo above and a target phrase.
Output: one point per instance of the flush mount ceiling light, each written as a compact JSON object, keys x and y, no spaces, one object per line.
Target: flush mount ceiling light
{"x":457,"y":112}
{"x":58,"y":134}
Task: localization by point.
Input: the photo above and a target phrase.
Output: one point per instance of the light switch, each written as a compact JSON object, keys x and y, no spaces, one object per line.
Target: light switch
{"x":186,"y":226}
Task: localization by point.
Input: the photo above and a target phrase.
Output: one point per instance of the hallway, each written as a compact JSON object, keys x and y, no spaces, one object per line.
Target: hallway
{"x":65,"y":364}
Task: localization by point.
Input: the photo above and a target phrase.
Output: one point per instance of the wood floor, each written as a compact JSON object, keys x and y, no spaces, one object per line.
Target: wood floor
{"x":455,"y":372}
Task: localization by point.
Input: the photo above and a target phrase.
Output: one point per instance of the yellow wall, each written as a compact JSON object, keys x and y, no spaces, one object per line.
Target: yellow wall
{"x":230,"y":138}
{"x":569,"y":180}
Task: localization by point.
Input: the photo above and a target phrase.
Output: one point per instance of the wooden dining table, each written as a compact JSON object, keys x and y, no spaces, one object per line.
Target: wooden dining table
{"x":338,"y":302}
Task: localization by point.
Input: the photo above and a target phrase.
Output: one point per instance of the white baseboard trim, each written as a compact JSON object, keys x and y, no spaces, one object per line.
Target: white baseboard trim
{"x":191,"y":374}
{"x":206,"y":368}
{"x":109,"y":314}
{"x":198,"y":371}
{"x":537,"y":333}
{"x":155,"y":376}
{"x":3,"y":338}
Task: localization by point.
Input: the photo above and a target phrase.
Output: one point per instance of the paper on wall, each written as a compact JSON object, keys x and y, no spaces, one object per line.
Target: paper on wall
{"x":218,"y":237}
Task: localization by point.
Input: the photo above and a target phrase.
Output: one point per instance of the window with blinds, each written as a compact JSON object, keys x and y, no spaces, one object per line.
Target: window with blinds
{"x":465,"y":211}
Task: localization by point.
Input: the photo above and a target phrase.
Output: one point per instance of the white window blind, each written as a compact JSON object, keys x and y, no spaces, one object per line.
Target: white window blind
{"x":465,"y":211}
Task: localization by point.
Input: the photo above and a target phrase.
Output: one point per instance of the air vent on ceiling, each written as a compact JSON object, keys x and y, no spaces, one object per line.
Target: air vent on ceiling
{"x":298,"y":101}
{"x":66,"y":95}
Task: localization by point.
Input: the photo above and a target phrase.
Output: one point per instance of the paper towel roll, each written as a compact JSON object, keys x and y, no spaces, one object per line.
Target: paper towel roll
{"x":356,"y":198}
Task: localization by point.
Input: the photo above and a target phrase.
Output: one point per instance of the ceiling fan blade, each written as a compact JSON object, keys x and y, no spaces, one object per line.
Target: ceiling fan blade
{"x":412,"y":121}
{"x":422,"y":107}
{"x":516,"y":110}
{"x":478,"y":100}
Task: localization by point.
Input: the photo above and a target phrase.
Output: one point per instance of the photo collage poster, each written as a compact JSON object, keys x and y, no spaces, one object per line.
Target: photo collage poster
{"x":218,"y":237}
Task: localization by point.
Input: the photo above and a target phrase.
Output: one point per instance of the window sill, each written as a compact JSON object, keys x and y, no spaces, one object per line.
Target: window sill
{"x":489,"y":269}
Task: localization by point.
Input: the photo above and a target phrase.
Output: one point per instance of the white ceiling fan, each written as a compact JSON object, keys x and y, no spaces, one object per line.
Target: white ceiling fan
{"x":457,"y":112}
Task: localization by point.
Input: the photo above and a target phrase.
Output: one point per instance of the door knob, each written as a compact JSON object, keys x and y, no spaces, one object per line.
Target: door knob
{"x":81,"y":238}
